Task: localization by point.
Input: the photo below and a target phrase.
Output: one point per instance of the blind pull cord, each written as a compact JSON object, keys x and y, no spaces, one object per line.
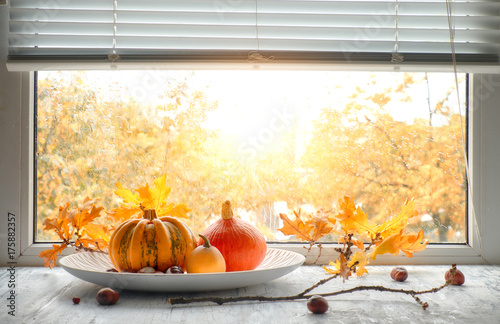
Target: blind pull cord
{"x":396,"y":57}
{"x":114,"y":56}
{"x":255,"y":56}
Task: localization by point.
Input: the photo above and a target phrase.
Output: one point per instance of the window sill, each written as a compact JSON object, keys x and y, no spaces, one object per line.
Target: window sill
{"x":432,"y":255}
{"x":42,"y":295}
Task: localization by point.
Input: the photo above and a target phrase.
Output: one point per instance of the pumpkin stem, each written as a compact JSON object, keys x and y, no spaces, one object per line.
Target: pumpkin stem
{"x":227,"y":212}
{"x":149,"y":214}
{"x":205,"y":239}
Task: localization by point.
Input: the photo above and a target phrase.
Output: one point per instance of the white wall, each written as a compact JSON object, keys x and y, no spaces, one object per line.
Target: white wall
{"x":486,"y":163}
{"x":486,"y":170}
{"x":10,"y":117}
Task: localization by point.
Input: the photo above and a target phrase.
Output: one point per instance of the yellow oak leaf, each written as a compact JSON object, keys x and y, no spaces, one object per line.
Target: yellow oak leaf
{"x":127,"y":195}
{"x":361,"y":260}
{"x":97,"y":243}
{"x":124,"y":212}
{"x":396,"y":224}
{"x":50,"y":256}
{"x":179,"y":210}
{"x":295,"y":227}
{"x":160,"y":191}
{"x":147,"y":198}
{"x":388,"y":245}
{"x":330,"y":270}
{"x":97,"y":232}
{"x":154,"y":198}
{"x":408,"y":243}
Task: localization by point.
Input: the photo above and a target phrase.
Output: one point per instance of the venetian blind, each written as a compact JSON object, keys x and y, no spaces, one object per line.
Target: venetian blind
{"x":58,"y":34}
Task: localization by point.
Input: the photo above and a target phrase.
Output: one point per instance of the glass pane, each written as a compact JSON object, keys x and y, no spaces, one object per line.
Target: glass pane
{"x":269,"y":141}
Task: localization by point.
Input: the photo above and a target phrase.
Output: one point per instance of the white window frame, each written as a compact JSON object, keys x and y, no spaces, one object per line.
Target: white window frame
{"x":471,"y":253}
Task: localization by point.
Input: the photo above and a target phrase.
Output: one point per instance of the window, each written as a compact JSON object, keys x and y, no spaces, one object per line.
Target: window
{"x":261,"y":35}
{"x":271,"y":141}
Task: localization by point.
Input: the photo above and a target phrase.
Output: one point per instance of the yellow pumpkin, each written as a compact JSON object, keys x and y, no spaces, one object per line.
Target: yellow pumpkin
{"x":151,"y":242}
{"x":205,"y":259}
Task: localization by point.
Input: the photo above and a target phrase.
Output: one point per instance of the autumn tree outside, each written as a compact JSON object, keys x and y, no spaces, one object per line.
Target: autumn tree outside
{"x":89,"y":138}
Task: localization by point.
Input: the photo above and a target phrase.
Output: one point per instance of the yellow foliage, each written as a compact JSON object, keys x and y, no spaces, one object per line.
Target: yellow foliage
{"x":388,"y":237}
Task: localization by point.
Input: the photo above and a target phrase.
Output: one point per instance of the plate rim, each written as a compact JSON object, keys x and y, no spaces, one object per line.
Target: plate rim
{"x":292,"y":266}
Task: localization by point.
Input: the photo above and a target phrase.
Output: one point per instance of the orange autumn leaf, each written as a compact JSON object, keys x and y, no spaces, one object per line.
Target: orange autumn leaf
{"x":352,"y":218}
{"x":84,"y":214}
{"x":307,"y":228}
{"x":359,"y":244}
{"x":50,"y":256}
{"x":50,"y":223}
{"x":60,"y":223}
{"x":341,"y":268}
{"x":413,"y":243}
{"x":87,"y":204}
{"x":295,"y":227}
{"x":75,"y":228}
{"x":320,"y":225}
{"x":358,"y":259}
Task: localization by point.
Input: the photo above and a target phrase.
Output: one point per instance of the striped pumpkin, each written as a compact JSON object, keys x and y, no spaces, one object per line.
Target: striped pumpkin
{"x":151,"y":242}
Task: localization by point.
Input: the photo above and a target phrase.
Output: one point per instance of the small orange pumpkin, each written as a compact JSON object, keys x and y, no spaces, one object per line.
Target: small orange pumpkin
{"x":205,"y":258}
{"x":242,"y":244}
{"x":151,"y":242}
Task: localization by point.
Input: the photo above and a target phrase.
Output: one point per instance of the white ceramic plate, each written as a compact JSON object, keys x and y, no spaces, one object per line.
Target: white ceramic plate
{"x":92,"y":267}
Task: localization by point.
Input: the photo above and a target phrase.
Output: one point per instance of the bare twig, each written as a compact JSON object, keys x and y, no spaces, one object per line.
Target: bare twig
{"x":309,"y":248}
{"x":304,"y":295}
{"x":319,"y":283}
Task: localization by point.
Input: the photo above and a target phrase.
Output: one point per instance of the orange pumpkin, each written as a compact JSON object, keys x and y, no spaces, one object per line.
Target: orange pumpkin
{"x":151,"y":242}
{"x":242,"y":244}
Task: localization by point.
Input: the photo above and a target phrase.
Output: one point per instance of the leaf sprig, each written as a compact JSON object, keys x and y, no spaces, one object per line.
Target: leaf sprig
{"x":147,"y":197}
{"x":76,"y":226}
{"x":348,"y":224}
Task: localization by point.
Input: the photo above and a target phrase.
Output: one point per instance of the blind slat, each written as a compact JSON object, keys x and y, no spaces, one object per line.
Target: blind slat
{"x":200,"y":28}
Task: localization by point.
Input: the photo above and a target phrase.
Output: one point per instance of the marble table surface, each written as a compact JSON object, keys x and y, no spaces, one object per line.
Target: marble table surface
{"x":45,"y":296}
